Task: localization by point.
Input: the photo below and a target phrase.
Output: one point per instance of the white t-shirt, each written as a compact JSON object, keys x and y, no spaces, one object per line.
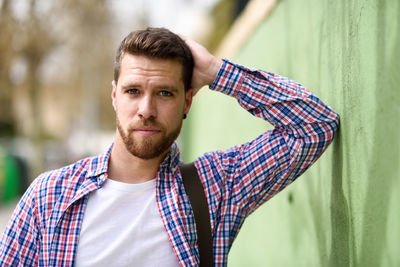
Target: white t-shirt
{"x":122,"y":227}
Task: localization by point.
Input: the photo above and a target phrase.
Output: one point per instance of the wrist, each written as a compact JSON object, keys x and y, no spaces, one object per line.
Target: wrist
{"x":214,"y":68}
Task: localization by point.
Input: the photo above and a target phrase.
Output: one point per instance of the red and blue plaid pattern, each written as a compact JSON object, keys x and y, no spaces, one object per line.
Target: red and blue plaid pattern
{"x":44,"y":229}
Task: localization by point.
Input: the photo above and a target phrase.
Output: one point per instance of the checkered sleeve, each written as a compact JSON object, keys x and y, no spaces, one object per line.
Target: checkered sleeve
{"x":252,"y":173}
{"x":19,"y":245}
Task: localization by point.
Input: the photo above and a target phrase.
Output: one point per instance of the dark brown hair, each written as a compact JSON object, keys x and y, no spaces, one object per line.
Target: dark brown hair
{"x":157,"y":43}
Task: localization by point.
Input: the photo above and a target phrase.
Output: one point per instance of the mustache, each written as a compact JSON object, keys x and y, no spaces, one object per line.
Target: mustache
{"x":150,"y":122}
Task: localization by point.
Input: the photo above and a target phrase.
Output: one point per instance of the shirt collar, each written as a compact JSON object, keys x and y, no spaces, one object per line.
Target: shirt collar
{"x":172,"y":160}
{"x":98,"y":166}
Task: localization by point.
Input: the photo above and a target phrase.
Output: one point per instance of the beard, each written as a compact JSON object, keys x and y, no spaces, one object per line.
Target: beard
{"x":147,"y":147}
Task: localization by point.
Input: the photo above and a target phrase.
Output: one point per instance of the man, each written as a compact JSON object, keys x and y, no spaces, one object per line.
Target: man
{"x":128,"y":206}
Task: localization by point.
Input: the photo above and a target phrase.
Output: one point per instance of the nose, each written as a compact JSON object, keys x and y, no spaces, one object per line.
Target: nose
{"x":147,"y":107}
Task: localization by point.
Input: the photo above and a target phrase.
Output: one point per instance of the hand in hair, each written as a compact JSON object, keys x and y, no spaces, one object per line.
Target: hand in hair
{"x":206,"y":65}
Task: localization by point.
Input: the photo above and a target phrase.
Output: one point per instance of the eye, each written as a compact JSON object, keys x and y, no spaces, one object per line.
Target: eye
{"x":165,"y":93}
{"x":132,"y":91}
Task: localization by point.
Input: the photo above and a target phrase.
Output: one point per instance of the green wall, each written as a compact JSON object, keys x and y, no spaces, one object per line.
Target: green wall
{"x":345,"y":210}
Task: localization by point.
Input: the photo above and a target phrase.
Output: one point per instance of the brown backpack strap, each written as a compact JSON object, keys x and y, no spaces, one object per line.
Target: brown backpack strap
{"x":197,"y":197}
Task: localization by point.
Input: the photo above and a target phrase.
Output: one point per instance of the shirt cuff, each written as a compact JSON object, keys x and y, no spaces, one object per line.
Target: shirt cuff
{"x":229,"y":78}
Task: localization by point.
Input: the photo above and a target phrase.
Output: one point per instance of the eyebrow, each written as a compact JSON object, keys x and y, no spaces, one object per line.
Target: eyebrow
{"x":166,"y":87}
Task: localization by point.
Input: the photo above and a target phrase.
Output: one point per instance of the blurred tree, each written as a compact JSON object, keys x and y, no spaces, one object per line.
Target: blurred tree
{"x":56,"y":64}
{"x":34,"y":43}
{"x":7,"y":27}
{"x":224,"y":14}
{"x":92,"y":57}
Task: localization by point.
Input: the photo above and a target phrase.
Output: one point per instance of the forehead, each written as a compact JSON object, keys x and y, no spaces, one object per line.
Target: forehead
{"x":139,"y":66}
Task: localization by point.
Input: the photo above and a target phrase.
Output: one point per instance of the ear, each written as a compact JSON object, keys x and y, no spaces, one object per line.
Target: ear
{"x":188,"y":100}
{"x":113,"y":94}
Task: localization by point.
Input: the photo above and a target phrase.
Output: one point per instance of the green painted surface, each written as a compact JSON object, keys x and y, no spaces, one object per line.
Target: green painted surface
{"x":345,"y":210}
{"x":10,"y":179}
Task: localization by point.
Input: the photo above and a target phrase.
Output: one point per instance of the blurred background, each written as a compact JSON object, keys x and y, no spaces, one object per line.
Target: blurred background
{"x":56,"y":72}
{"x":56,"y":65}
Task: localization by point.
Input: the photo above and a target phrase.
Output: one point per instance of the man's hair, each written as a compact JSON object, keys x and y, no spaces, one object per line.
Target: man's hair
{"x":157,"y":43}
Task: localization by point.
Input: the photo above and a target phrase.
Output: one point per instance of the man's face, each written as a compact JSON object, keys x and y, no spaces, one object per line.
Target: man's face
{"x":149,"y":101}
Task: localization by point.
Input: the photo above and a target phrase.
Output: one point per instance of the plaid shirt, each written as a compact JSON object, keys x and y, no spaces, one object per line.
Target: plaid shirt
{"x":44,"y":229}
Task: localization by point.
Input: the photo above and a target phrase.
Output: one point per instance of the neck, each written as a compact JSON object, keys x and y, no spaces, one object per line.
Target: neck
{"x":127,"y":168}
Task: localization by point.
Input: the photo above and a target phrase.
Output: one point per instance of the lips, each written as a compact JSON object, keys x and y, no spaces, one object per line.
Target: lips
{"x":146,"y":130}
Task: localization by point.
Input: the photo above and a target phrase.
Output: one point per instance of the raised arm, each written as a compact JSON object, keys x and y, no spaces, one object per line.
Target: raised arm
{"x":257,"y":170}
{"x":304,"y":127}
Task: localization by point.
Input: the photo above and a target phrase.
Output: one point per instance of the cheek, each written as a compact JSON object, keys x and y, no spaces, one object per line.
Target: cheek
{"x":171,"y":115}
{"x":122,"y":116}
{"x":176,"y":110}
{"x":125,"y":108}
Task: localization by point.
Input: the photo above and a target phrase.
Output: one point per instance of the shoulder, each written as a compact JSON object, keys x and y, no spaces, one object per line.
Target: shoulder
{"x":65,"y":176}
{"x":227,"y":162}
{"x":63,"y":184}
{"x":48,"y":189}
{"x":216,"y":168}
{"x":52,"y":185}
